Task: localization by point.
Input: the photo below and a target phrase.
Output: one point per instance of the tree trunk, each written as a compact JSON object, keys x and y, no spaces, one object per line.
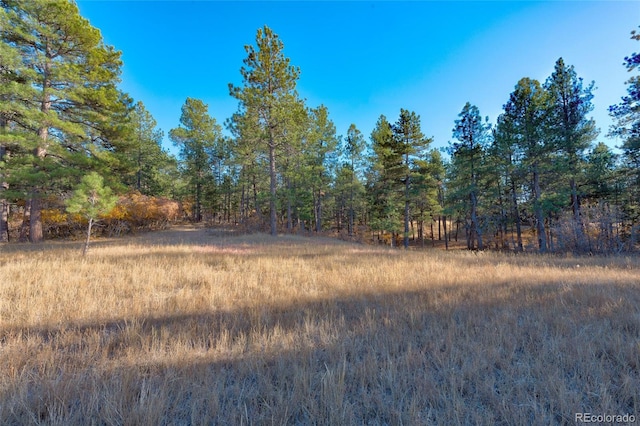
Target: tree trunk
{"x":273,"y":217}
{"x":516,"y":213}
{"x":433,"y":243}
{"x":23,"y":236}
{"x":446,"y":240}
{"x":243,"y":216}
{"x":542,"y":235}
{"x":255,"y":197}
{"x":457,"y":229}
{"x":474,"y":219}
{"x":550,"y":231}
{"x":289,"y":208}
{"x":4,"y":206}
{"x":35,"y":219}
{"x":577,"y":219}
{"x":86,"y":243}
{"x":197,"y":213}
{"x":406,"y":213}
{"x":139,"y":172}
{"x":35,"y":216}
{"x":351,"y":212}
{"x":318,"y":213}
{"x":4,"y":221}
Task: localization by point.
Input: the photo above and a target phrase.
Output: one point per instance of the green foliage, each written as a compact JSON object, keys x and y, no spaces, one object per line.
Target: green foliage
{"x":70,"y":107}
{"x":266,"y":99}
{"x":91,"y":198}
{"x":570,"y":128}
{"x":468,"y":173}
{"x":153,"y":171}
{"x":199,"y":138}
{"x":525,"y":118}
{"x":398,"y":180}
{"x":384,"y":177}
{"x":626,"y":115}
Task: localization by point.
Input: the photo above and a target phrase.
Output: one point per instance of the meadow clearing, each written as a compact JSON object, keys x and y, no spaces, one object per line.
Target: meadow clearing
{"x":196,"y":326}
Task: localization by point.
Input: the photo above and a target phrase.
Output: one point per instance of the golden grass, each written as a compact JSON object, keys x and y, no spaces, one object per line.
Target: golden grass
{"x":189,"y":326}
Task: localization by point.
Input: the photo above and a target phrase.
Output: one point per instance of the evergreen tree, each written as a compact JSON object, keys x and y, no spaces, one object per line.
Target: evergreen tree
{"x":385,"y":179}
{"x":13,"y":89}
{"x":468,"y":166}
{"x":428,"y":174}
{"x":71,"y":77}
{"x":197,"y":135}
{"x":353,"y":149}
{"x":252,"y":164}
{"x":410,"y":144}
{"x":525,"y":118}
{"x":510,"y":176}
{"x":296,"y":168}
{"x":321,"y":145}
{"x":267,"y":94}
{"x":600,"y":179}
{"x":571,"y":131}
{"x":627,"y":127}
{"x":152,"y":165}
{"x":91,"y":199}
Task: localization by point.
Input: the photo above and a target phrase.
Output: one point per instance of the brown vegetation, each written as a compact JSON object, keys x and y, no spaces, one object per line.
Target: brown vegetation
{"x":192,"y":326}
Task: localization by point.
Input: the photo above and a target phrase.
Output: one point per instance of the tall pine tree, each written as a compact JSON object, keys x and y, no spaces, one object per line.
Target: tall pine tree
{"x":627,"y":127}
{"x":468,"y":166}
{"x":572,"y":132}
{"x":72,"y":79}
{"x":268,"y":92}
{"x":197,"y":136}
{"x":410,"y":144}
{"x":522,"y":143}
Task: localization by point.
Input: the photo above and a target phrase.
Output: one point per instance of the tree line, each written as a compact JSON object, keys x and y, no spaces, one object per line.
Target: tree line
{"x":537,"y":179}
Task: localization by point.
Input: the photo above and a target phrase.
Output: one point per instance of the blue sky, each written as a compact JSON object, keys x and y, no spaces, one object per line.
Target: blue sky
{"x":366,"y":58}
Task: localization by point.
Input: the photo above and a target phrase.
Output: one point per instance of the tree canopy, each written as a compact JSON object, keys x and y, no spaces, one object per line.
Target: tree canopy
{"x":540,"y":178}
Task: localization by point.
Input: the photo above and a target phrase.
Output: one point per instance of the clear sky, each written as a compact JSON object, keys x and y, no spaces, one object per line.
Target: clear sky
{"x":362,"y":59}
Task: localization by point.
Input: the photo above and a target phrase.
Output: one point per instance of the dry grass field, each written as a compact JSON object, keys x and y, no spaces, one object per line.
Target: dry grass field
{"x":192,"y":326}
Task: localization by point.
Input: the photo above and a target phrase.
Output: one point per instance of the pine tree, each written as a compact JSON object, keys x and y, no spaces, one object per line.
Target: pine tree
{"x":627,"y":127}
{"x":71,"y":76}
{"x":252,"y":164}
{"x":91,"y":199}
{"x":153,"y":168}
{"x":507,"y":157}
{"x":428,"y":173}
{"x":268,"y":92}
{"x":196,"y":137}
{"x":571,"y":131}
{"x":468,"y":165}
{"x":384,"y":179}
{"x":525,"y":118}
{"x":321,"y":145}
{"x":296,"y":167}
{"x":13,"y":89}
{"x":410,"y":144}
{"x":353,"y":148}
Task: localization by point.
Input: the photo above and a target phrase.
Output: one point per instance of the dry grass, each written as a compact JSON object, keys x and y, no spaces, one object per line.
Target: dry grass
{"x":190,"y":327}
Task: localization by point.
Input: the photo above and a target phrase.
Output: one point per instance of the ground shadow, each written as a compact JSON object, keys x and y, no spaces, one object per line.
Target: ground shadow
{"x":528,"y":356}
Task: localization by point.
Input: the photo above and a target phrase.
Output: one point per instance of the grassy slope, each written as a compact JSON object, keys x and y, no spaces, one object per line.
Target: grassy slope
{"x":188,"y":326}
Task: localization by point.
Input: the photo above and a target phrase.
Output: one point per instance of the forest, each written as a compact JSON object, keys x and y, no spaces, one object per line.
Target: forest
{"x":541,"y":179}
